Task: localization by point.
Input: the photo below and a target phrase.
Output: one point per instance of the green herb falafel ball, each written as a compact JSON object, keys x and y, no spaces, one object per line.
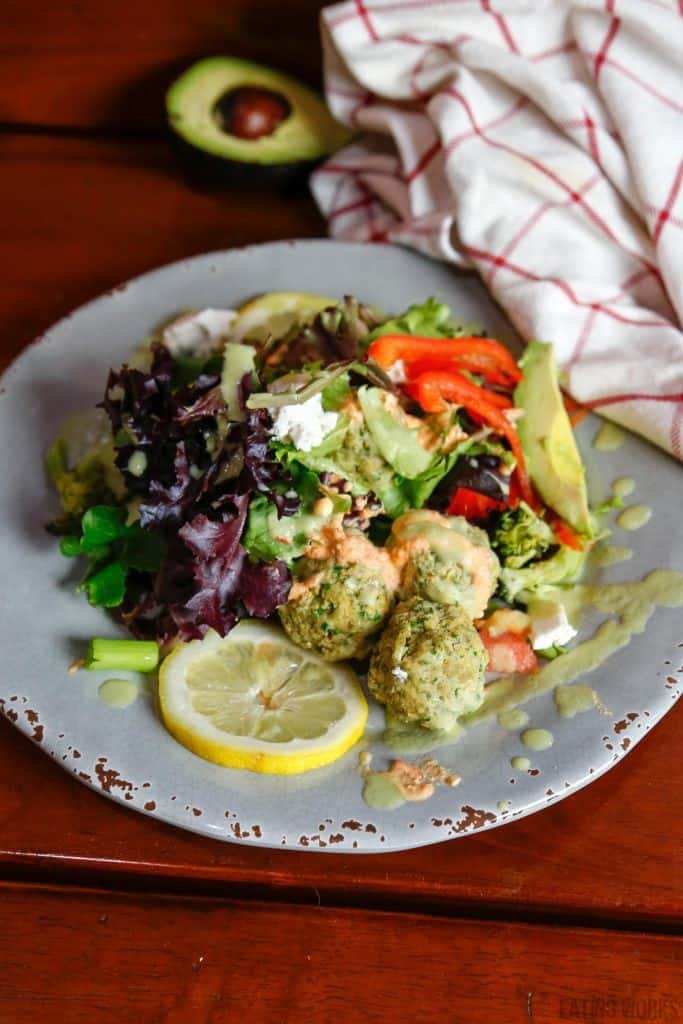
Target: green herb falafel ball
{"x":429,"y":664}
{"x":447,"y":560}
{"x":337,"y":610}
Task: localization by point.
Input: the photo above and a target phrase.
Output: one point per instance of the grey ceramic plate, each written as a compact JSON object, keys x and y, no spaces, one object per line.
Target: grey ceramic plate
{"x":126,"y":754}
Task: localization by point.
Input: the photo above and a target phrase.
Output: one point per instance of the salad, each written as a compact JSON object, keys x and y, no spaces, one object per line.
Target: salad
{"x":396,"y":491}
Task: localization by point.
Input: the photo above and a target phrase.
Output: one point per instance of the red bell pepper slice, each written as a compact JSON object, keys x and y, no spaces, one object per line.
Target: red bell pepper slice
{"x":472,"y":505}
{"x":483,"y":356}
{"x":566,"y":535}
{"x":433,"y":390}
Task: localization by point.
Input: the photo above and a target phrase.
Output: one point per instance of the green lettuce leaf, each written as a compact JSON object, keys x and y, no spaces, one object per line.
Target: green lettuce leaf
{"x":431,"y":319}
{"x":268,"y":536}
{"x":113,"y":547}
{"x":562,"y":567}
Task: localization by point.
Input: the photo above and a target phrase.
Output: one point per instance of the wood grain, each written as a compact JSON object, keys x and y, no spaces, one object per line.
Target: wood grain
{"x":77,"y":957}
{"x":108,"y":65}
{"x":610,"y":853}
{"x":87,"y":214}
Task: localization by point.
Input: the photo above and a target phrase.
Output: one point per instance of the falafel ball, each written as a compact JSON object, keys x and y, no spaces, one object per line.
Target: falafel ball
{"x":429,"y":665}
{"x":428,"y":575}
{"x":447,"y":560}
{"x":337,"y":610}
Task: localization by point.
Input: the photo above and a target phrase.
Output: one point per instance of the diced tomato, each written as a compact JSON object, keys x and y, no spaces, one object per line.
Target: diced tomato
{"x":471,"y":504}
{"x":509,"y":652}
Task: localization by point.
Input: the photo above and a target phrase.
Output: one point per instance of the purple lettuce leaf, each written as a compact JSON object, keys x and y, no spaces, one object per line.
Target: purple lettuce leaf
{"x":195,"y":491}
{"x":264,"y":587}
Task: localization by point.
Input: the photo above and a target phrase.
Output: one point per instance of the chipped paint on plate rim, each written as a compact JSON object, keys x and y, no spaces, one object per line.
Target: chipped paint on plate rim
{"x":126,"y":754}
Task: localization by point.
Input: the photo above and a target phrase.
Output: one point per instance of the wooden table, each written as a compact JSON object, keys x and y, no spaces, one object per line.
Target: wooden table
{"x":572,"y":914}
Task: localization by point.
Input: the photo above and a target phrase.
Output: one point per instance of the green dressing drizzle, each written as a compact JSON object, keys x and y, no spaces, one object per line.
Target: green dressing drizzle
{"x":609,"y":437}
{"x":411,"y":738}
{"x":537,"y":739}
{"x":634,"y":517}
{"x":624,"y":486}
{"x":381,"y":792}
{"x":605,"y":554}
{"x":513,"y":718}
{"x":118,"y":693}
{"x":573,"y":700}
{"x":633,"y":604}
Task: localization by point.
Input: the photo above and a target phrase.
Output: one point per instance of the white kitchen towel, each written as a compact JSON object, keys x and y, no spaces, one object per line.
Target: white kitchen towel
{"x":540,"y":142}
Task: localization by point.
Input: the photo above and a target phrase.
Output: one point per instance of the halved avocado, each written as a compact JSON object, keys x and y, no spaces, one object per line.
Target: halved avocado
{"x":239,"y":121}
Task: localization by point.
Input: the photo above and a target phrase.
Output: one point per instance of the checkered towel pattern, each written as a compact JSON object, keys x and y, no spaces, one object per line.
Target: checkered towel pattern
{"x":540,"y":142}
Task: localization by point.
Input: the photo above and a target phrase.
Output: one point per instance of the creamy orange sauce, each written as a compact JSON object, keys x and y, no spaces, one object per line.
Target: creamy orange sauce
{"x":300,"y":587}
{"x":403,"y":782}
{"x":410,"y":780}
{"x":335,"y":545}
{"x":440,"y":432}
{"x":430,"y":529}
{"x":402,"y":553}
{"x":479,"y":564}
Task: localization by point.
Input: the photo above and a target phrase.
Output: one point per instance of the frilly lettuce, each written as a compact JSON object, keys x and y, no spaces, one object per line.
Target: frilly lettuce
{"x":431,"y":319}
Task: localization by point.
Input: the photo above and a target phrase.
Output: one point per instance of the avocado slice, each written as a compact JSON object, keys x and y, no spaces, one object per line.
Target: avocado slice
{"x":547,"y":439}
{"x":240,"y":121}
{"x":398,"y":443}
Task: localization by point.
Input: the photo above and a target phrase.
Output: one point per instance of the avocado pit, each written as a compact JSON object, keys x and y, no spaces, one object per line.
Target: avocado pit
{"x":250,"y":111}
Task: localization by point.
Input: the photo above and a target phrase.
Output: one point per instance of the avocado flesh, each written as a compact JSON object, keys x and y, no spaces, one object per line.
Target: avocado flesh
{"x":398,"y":443}
{"x":307,"y":134}
{"x":547,"y":439}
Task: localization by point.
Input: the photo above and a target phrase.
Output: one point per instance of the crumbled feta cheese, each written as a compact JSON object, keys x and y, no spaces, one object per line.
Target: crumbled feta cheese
{"x":549,"y":625}
{"x":304,"y":425}
{"x":397,"y":372}
{"x":198,"y":334}
{"x":400,"y":673}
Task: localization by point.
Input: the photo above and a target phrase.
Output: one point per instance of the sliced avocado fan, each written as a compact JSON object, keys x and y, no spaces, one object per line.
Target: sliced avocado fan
{"x":249,"y":114}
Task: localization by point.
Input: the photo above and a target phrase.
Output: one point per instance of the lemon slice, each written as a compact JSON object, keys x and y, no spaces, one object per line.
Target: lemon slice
{"x":274,"y":313}
{"x":254,"y":700}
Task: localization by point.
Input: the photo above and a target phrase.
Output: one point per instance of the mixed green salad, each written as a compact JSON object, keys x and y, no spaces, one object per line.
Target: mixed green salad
{"x":398,"y":487}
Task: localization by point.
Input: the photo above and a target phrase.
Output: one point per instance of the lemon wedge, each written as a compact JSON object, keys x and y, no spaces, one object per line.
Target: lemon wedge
{"x":274,"y":313}
{"x":254,"y":700}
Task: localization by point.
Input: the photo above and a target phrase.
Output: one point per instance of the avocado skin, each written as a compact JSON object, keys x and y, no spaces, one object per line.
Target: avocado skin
{"x":201,"y":168}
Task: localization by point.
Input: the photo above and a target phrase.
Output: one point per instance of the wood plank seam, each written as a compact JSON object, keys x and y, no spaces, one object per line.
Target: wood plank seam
{"x":287,"y":894}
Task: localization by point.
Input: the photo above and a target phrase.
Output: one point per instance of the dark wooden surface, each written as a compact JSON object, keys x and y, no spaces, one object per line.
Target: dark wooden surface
{"x":456,"y":932}
{"x":97,"y":64}
{"x":82,"y":215}
{"x":181,"y":960}
{"x":610,"y":853}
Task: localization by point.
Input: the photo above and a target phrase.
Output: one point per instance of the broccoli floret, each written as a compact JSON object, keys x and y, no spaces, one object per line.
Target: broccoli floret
{"x":562,"y":567}
{"x":520,"y":537}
